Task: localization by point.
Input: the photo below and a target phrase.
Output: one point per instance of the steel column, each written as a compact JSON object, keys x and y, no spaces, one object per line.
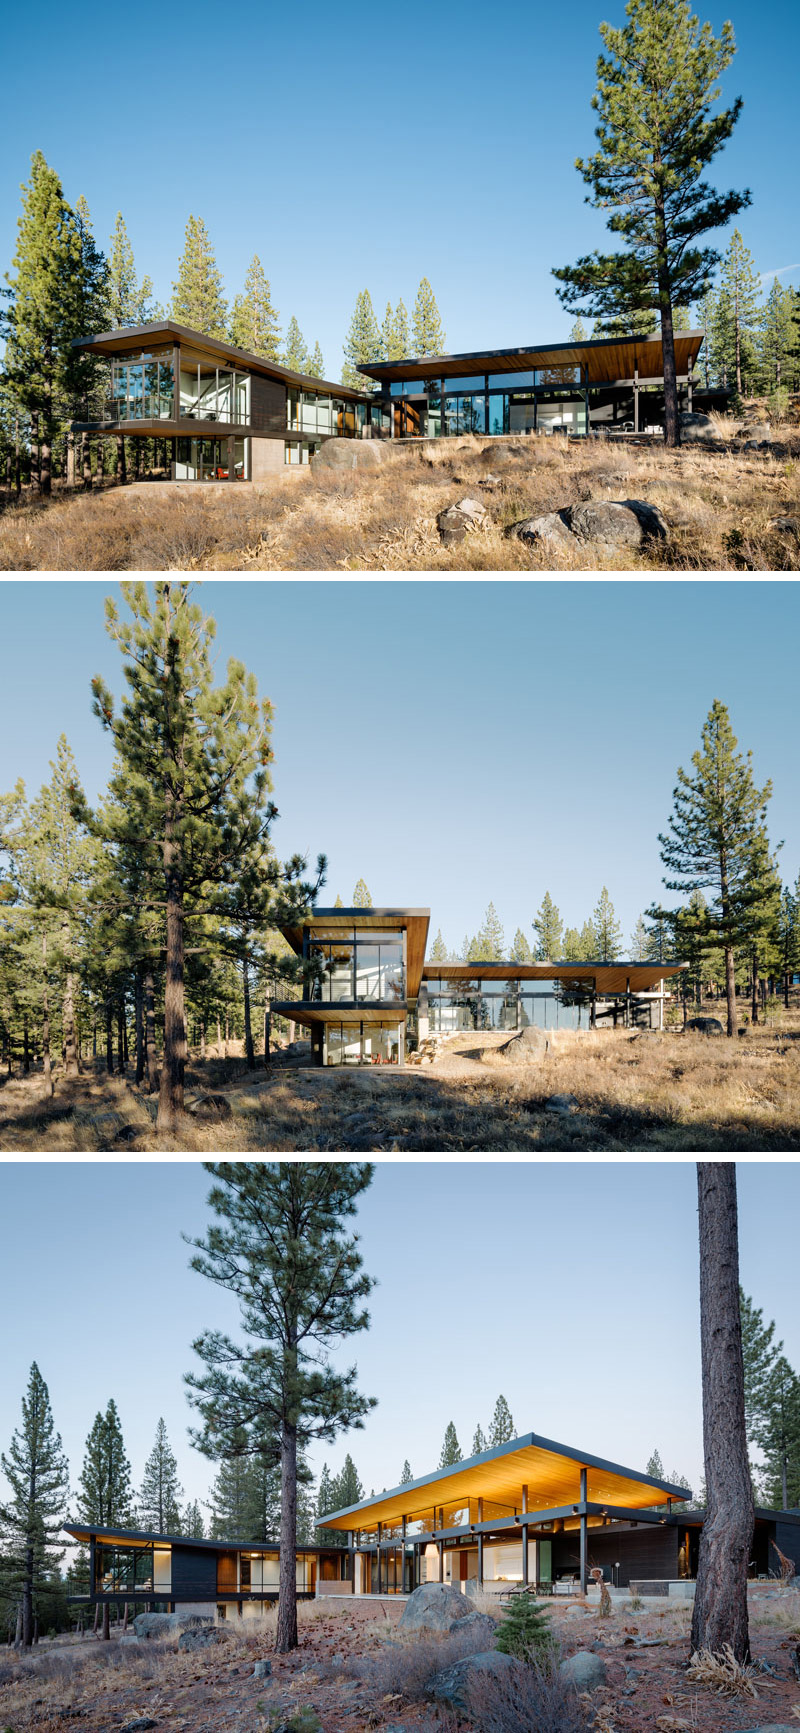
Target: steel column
{"x":584,"y":1536}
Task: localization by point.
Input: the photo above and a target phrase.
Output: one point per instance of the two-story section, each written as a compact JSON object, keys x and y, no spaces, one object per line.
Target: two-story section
{"x":221,"y":413}
{"x":362,"y":976}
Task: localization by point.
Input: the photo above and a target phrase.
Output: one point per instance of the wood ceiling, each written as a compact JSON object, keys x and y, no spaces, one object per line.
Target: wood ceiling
{"x":415,"y":921}
{"x":607,"y":360}
{"x":609,"y":977}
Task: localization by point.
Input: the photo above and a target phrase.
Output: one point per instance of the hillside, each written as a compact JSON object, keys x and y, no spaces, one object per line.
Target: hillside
{"x":723,"y":507}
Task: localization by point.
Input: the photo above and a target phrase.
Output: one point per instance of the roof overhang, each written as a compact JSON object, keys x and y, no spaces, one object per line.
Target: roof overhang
{"x":415,"y":921}
{"x":607,"y":360}
{"x":86,"y":1532}
{"x":551,"y":1472}
{"x":135,"y":337}
{"x":608,"y":977}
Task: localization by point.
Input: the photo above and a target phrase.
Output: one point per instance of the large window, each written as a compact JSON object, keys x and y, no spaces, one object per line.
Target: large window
{"x":132,"y":1570}
{"x":363,"y":1043}
{"x":490,"y":1003}
{"x":142,"y":388}
{"x":358,"y":966}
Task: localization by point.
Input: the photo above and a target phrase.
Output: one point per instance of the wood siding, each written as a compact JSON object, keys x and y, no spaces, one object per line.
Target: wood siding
{"x":639,"y":1552}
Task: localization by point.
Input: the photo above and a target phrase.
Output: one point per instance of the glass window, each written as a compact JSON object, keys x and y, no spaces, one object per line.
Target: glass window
{"x":505,"y":381}
{"x":557,"y":375}
{"x":476,"y":382}
{"x":498,"y":413}
{"x":368,"y":972}
{"x":135,"y":390}
{"x":392,"y":985}
{"x":166,"y":387}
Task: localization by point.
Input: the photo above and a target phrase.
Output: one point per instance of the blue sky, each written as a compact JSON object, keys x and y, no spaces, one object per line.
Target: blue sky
{"x":571,"y":1289}
{"x":455,"y":743}
{"x":362,"y":146}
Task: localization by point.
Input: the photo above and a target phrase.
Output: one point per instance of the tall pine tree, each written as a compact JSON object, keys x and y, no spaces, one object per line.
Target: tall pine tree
{"x":254,"y":321}
{"x":35,"y":1509}
{"x":427,"y":333}
{"x":161,"y":1491}
{"x":363,"y":342}
{"x":197,"y":298}
{"x":547,"y":926}
{"x":656,"y":88}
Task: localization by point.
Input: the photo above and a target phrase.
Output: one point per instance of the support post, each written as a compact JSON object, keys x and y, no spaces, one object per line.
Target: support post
{"x":584,"y":1536}
{"x":636,"y":400}
{"x":525,"y":1556}
{"x":441,"y":1560}
{"x":480,"y":1561}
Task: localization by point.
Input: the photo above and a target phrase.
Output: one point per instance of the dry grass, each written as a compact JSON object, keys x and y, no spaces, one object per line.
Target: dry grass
{"x":723,"y":506}
{"x":721,"y":1673}
{"x":647,"y":1093}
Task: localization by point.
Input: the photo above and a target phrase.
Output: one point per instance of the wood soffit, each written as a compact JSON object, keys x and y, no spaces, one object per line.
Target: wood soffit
{"x":608,"y":360}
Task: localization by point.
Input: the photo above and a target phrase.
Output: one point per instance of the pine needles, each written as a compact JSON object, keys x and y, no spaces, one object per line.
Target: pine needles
{"x":722,"y":1673}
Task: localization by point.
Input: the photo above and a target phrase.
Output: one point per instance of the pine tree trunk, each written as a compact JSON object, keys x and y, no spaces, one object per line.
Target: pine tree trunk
{"x":70,"y":455}
{"x":730,"y":989}
{"x":106,"y":1622}
{"x":121,"y":1035}
{"x":27,"y":1600}
{"x":71,"y":1065}
{"x":249,"y":1049}
{"x":46,"y":1062}
{"x":138,"y":1011}
{"x":18,"y":1632}
{"x":151,"y":1057}
{"x":121,"y":468}
{"x":109,"y":1037}
{"x":96,"y":1618}
{"x":720,"y":1605}
{"x":286,"y":1630}
{"x":170,"y":1101}
{"x":754,"y":988}
{"x":219,"y":1036}
{"x":672,"y":431}
{"x":86,"y":460}
{"x":227,"y":1033}
{"x":26,"y":1049}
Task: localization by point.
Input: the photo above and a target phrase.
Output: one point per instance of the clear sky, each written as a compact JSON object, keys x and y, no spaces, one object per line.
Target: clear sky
{"x":455,"y":743}
{"x":573,"y":1290}
{"x":365,"y":146}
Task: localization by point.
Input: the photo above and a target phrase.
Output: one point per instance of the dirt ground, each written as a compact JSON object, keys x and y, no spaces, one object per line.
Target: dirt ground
{"x":348,"y":1653}
{"x":631,"y":1092}
{"x":725,"y":508}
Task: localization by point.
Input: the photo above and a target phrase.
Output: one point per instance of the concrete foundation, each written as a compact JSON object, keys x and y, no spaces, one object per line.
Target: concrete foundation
{"x":266,"y":458}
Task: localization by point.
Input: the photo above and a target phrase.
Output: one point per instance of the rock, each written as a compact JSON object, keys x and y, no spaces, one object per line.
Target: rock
{"x":758,"y":433}
{"x":456,"y":520}
{"x":551,"y":528}
{"x":694,"y":426}
{"x":452,"y":1685}
{"x":149,"y":1625}
{"x":142,"y":1724}
{"x":789,"y":526}
{"x":349,"y":454}
{"x":480,"y":1626}
{"x":262,"y":1669}
{"x":204,"y":1638}
{"x":706,"y":1025}
{"x":563,"y":1104}
{"x":435,"y":1607}
{"x":129,"y":1638}
{"x":490,"y":481}
{"x":527,"y":1047}
{"x":584,"y":1671}
{"x":617,"y":523}
{"x":211,"y":1107}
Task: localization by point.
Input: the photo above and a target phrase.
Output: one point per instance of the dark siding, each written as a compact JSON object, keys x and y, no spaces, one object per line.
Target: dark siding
{"x":639,"y":1552}
{"x":787,"y":1537}
{"x":267,"y":404}
{"x":194,"y":1574}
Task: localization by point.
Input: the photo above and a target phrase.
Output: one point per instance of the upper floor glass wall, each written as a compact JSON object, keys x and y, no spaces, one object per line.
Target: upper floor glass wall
{"x":485,"y":1004}
{"x":132,"y":1570}
{"x":318,"y":412}
{"x":142,"y":388}
{"x":365,"y":967}
{"x":210,"y":393}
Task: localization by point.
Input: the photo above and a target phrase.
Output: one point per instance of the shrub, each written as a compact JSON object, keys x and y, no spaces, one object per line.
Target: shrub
{"x":525,"y":1631}
{"x":406,"y":1666}
{"x":524,"y":1699}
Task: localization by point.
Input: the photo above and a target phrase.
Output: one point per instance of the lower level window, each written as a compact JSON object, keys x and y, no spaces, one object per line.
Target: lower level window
{"x":363,"y":1044}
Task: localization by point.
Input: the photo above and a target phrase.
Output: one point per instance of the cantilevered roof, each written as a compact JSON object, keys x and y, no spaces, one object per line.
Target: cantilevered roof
{"x":135,"y":337}
{"x":415,"y":921}
{"x":608,"y":977}
{"x":550,"y":1471}
{"x":86,"y":1531}
{"x":607,"y":359}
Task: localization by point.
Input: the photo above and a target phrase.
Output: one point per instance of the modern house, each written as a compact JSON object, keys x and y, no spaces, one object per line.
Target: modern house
{"x":228,"y":415}
{"x":369,"y":993}
{"x":531,"y":1511}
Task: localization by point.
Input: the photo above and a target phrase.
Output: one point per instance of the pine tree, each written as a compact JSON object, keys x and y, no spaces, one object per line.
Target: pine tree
{"x":760,"y":1353}
{"x":195,"y":756}
{"x":640,"y":941}
{"x":524,"y":1632}
{"x":438,"y":950}
{"x":402,"y":333}
{"x":231,"y":1501}
{"x":588,"y":943}
{"x":406,"y":1475}
{"x":254,"y":321}
{"x":428,"y":337}
{"x":778,"y":1435}
{"x":607,"y":930}
{"x":578,"y":332}
{"x":192,"y":1524}
{"x":316,"y":366}
{"x":295,"y":355}
{"x":657,"y":84}
{"x":361,"y":896}
{"x":572,"y":945}
{"x":787,"y":936}
{"x":501,"y":1425}
{"x":775,"y":336}
{"x":39,"y":355}
{"x":349,"y":1489}
{"x":451,"y":1449}
{"x":707,"y":323}
{"x":738,"y":310}
{"x":547,"y":926}
{"x":197,"y":297}
{"x":327,"y":1501}
{"x":520,"y":949}
{"x":161,"y":1491}
{"x":280,"y":1245}
{"x":654,"y":1467}
{"x":715,"y":832}
{"x":490,"y":942}
{"x":479,"y":1442}
{"x":129,"y":301}
{"x":363,"y":342}
{"x":105,"y":1497}
{"x":32,"y":1516}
